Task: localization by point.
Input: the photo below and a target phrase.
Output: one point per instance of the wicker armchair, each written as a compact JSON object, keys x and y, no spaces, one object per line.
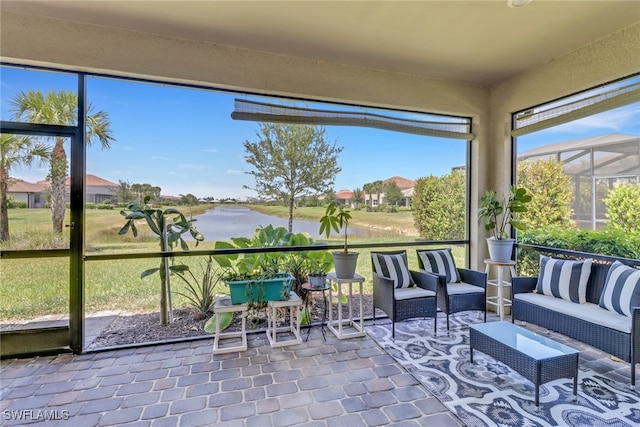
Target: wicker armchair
{"x":468,"y":294}
{"x":403,"y":303}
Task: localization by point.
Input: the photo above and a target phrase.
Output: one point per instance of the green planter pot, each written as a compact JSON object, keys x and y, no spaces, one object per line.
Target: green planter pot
{"x":276,"y":289}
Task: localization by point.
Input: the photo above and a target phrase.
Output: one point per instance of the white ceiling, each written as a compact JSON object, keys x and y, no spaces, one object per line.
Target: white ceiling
{"x":478,"y":42}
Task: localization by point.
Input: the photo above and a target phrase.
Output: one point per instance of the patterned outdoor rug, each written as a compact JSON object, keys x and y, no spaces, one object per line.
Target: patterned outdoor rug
{"x":489,"y":393}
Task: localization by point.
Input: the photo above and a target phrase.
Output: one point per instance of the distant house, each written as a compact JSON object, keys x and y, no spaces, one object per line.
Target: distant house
{"x":30,"y":193}
{"x":405,"y":185}
{"x":97,"y":190}
{"x":345,"y":197}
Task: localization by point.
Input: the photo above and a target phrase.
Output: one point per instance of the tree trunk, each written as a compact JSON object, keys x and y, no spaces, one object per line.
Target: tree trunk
{"x":164,"y":318}
{"x":58,"y":178}
{"x":4,"y":215}
{"x":291,"y":202}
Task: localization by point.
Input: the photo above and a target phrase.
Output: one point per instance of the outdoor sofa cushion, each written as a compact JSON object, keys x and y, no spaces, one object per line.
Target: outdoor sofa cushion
{"x":564,"y":279}
{"x":589,"y":312}
{"x":621,"y":290}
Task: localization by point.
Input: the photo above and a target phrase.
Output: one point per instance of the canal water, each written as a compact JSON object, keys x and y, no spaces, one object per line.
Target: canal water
{"x":225,"y":222}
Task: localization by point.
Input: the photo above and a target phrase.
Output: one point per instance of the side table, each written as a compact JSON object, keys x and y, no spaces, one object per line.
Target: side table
{"x":345,"y":327}
{"x":307,"y":287}
{"x":500,"y":301}
{"x":294,"y":302}
{"x":223,"y":305}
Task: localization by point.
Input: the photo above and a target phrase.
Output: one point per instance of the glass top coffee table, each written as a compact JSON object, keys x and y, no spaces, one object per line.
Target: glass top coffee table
{"x":537,"y":358}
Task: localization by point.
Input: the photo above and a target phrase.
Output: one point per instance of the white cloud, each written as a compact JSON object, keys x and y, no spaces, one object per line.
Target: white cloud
{"x":210,"y":150}
{"x":233,"y":172}
{"x":192,"y":166}
{"x":620,"y":120}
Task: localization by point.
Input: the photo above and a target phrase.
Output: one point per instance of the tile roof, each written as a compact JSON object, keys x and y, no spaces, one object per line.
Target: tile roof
{"x":401,"y":182}
{"x":21,"y":186}
{"x":95,"y":181}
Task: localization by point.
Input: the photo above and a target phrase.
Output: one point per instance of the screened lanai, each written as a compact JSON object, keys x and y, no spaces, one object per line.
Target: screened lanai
{"x":596,"y":165}
{"x":479,"y":61}
{"x":489,"y":61}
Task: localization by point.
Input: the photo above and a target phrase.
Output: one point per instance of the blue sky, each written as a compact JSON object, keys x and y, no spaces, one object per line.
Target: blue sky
{"x":184,"y":140}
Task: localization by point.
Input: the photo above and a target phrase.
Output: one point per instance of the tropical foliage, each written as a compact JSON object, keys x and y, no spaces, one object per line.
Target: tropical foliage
{"x":266,"y":265}
{"x":60,"y":108}
{"x":200,"y":291}
{"x":335,"y":218}
{"x":498,"y":214}
{"x":15,"y":150}
{"x":169,"y":225}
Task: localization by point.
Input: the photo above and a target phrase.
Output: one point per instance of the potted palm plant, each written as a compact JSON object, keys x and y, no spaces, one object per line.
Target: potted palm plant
{"x":335,"y":218}
{"x":498,"y":215}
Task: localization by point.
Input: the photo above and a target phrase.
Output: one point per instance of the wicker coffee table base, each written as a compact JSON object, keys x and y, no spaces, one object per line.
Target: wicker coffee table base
{"x":538,"y":371}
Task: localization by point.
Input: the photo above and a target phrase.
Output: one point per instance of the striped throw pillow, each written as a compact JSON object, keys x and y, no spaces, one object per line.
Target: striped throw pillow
{"x":621,"y":289}
{"x":393,"y":266}
{"x":440,"y":262}
{"x":564,"y":278}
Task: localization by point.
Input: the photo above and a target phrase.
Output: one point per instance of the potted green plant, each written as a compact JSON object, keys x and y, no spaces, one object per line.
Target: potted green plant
{"x":335,"y":218}
{"x":257,"y":277}
{"x":497,"y":215}
{"x":320,"y":262}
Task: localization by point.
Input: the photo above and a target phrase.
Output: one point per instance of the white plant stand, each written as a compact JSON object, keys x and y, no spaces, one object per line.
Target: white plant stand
{"x":345,"y":327}
{"x":500,"y":300}
{"x":223,"y":305}
{"x":293,"y":328}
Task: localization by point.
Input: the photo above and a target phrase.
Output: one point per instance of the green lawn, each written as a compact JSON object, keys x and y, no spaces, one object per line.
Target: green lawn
{"x":34,"y":287}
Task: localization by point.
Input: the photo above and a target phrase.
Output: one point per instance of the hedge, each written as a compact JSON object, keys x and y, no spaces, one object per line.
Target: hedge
{"x":600,"y":242}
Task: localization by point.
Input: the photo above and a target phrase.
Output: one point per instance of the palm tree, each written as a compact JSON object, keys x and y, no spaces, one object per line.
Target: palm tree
{"x":378,"y":187}
{"x":15,"y":150}
{"x":368,"y":189}
{"x":357,"y":197}
{"x":60,"y":108}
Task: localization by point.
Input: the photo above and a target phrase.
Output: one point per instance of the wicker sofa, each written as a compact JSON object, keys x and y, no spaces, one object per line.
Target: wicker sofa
{"x":614,"y":333}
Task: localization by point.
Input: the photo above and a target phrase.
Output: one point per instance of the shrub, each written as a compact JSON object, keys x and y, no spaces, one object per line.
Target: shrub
{"x":601,"y":242}
{"x":16,"y":204}
{"x":623,"y":208}
{"x":104,"y":206}
{"x":200,"y":291}
{"x":551,"y":190}
{"x":439,"y":206}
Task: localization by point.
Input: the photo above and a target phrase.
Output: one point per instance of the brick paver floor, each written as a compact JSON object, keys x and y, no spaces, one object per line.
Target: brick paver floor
{"x":317,"y":383}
